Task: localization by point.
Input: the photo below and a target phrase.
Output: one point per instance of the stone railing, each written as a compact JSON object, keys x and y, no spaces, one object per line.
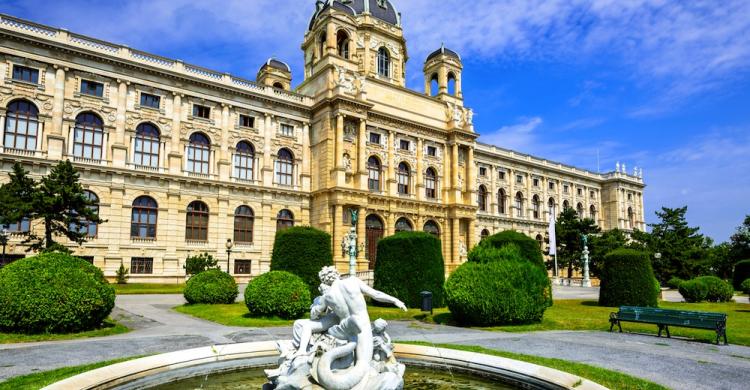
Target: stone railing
{"x":125,"y":53}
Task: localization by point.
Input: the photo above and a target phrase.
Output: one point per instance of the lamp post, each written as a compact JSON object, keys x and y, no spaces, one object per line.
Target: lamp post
{"x":229,"y":246}
{"x":4,"y":241}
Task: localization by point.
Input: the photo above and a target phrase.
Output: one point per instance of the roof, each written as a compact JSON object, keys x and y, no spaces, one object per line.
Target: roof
{"x":445,"y":51}
{"x":276,"y":64}
{"x":386,"y":13}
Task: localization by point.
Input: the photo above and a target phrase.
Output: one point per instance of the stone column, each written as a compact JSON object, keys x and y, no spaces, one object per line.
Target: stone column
{"x":339,"y":141}
{"x":268,"y":134}
{"x":306,"y":170}
{"x":442,"y":80}
{"x":338,"y":232}
{"x":56,"y":137}
{"x":362,"y":155}
{"x":175,"y":158}
{"x":392,"y":166}
{"x":119,"y":148}
{"x":362,"y":263}
{"x":492,"y":191}
{"x":366,"y":56}
{"x":471,"y":180}
{"x":455,"y":240}
{"x":447,"y":183}
{"x":511,"y":195}
{"x":225,"y":156}
{"x":331,"y":38}
{"x":454,"y":172}
{"x":419,"y":188}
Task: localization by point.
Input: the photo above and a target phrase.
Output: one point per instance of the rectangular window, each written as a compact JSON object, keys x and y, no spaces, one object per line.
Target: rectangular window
{"x":551,"y":185}
{"x":375,"y":138}
{"x":247,"y":121}
{"x":242,"y":267}
{"x":24,"y":226}
{"x":141,"y":265}
{"x":566,"y":189}
{"x":404,"y":144}
{"x":630,"y":196}
{"x":519,"y":179}
{"x":592,"y":195}
{"x":148,"y":100}
{"x":501,"y":175}
{"x":90,"y":259}
{"x":287,"y":130}
{"x":580,"y":192}
{"x":536,"y":182}
{"x":431,"y":151}
{"x":92,"y":88}
{"x":482,"y":171}
{"x":201,"y":111}
{"x":23,"y":73}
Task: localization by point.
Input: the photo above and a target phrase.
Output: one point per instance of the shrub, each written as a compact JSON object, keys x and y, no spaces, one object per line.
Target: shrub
{"x":745,"y":286}
{"x":53,"y":292}
{"x":694,"y":291}
{"x":277,"y":293}
{"x":528,"y":247}
{"x":303,"y":251}
{"x":409,"y":263}
{"x":627,"y":279}
{"x":122,"y":274}
{"x":197,"y":264}
{"x":674,"y":283}
{"x":741,"y":273}
{"x":212,"y":286}
{"x":512,"y":291}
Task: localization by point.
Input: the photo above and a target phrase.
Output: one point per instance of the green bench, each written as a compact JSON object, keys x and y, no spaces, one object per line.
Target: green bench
{"x":664,"y":318}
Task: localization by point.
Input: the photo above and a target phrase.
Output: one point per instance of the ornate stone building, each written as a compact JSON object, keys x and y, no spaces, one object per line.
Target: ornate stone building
{"x":181,"y":158}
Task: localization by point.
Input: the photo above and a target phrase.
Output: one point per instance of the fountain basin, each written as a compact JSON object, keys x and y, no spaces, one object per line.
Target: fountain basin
{"x":156,"y":370}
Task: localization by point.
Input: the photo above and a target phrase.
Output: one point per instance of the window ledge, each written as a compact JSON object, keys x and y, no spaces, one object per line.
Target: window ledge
{"x":24,"y":83}
{"x":149,"y":108}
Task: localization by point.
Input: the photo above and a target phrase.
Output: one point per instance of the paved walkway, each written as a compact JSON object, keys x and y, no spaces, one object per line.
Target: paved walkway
{"x":675,"y":363}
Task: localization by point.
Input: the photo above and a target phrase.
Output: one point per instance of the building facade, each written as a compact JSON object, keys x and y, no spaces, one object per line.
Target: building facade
{"x":181,"y":159}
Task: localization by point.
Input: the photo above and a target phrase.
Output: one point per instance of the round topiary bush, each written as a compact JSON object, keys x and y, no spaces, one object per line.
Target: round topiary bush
{"x":54,"y":293}
{"x":277,"y":293}
{"x":528,"y":247}
{"x":513,"y":291}
{"x":212,"y":286}
{"x":741,"y":273}
{"x":627,"y":279}
{"x":693,"y":291}
{"x":409,"y":263}
{"x":303,"y":251}
{"x":674,"y":283}
{"x":745,"y":286}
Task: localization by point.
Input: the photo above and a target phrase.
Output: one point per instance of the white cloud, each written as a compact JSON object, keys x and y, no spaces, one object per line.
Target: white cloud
{"x":519,"y":136}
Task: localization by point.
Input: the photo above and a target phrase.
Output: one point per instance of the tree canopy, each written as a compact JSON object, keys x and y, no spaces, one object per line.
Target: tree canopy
{"x":569,"y":230}
{"x":739,"y":243}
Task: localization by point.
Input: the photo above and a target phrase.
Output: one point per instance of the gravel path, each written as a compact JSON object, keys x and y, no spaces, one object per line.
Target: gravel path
{"x":675,"y":363}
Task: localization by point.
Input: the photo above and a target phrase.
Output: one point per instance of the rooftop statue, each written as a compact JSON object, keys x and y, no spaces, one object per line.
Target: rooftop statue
{"x":338,"y":348}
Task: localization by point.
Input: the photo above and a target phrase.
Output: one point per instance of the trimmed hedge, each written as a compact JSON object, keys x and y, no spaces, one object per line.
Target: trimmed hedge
{"x":706,"y":288}
{"x":741,"y":273}
{"x":303,"y":251}
{"x":53,"y":293}
{"x":528,"y":247}
{"x":277,"y":293}
{"x":212,"y":286}
{"x":627,"y":279}
{"x":674,"y":282}
{"x":745,"y":286}
{"x":511,"y":291}
{"x":409,"y":263}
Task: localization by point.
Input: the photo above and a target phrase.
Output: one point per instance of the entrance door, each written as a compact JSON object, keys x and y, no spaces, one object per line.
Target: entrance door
{"x":374,"y":232}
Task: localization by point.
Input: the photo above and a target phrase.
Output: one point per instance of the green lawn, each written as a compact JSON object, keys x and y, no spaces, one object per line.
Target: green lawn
{"x":108,"y":329}
{"x":41,"y":379}
{"x":606,"y":378}
{"x":140,"y":289}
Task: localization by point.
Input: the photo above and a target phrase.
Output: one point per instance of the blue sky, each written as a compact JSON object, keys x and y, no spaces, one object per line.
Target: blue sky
{"x":662,"y":85}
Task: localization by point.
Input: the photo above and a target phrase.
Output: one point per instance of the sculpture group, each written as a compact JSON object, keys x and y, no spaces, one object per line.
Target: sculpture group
{"x":338,"y":348}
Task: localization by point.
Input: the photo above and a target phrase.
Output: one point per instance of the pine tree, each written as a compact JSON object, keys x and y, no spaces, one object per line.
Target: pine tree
{"x":739,"y":246}
{"x":17,"y":196}
{"x":570,"y":230}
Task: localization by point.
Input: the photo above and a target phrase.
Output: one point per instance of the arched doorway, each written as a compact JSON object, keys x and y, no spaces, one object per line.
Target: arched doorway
{"x":374,"y":231}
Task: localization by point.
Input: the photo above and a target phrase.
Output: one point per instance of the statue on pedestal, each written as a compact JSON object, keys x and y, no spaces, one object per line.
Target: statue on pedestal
{"x":338,"y":348}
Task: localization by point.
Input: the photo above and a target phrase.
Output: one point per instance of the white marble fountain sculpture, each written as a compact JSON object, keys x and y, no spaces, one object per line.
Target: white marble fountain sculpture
{"x":338,"y":348}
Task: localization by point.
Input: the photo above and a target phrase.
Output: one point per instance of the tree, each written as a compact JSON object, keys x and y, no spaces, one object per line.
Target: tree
{"x":682,"y":248}
{"x":739,"y":246}
{"x":57,"y":200}
{"x":603,"y":244}
{"x":570,"y":230}
{"x":720,"y":261}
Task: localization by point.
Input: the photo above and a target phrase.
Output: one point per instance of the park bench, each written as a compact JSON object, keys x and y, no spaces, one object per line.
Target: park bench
{"x":664,"y":318}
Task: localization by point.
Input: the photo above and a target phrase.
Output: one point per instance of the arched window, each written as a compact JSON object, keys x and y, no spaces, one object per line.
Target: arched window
{"x":592,"y":213}
{"x":384,"y":62}
{"x":566,"y":205}
{"x":451,"y":84}
{"x":88,"y":136}
{"x":199,"y":154}
{"x":403,"y":225}
{"x":145,"y":213}
{"x":196,"y":222}
{"x":434,"y":85}
{"x":84,"y":226}
{"x":244,"y":161}
{"x":579,"y":210}
{"x":501,"y":201}
{"x":244,"y":220}
{"x":21,"y":126}
{"x":403,"y":178}
{"x":482,"y":198}
{"x":631,"y":218}
{"x":519,"y":205}
{"x":551,"y":204}
{"x":375,"y":230}
{"x":430,"y":183}
{"x":373,"y":171}
{"x":485,"y":233}
{"x":146,"y":146}
{"x":432,"y":228}
{"x":342,"y":43}
{"x":540,"y":241}
{"x":278,"y":85}
{"x":536,"y":207}
{"x":284,"y":219}
{"x":322,"y":43}
{"x":285,"y":168}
